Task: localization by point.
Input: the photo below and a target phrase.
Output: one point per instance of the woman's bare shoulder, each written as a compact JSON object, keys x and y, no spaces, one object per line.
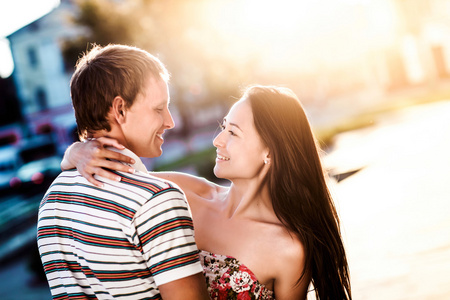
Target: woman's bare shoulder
{"x":289,"y":265}
{"x":289,"y":268}
{"x":286,"y":244}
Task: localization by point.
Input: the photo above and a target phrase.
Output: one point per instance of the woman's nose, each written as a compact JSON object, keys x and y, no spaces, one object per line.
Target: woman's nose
{"x":217,"y":142}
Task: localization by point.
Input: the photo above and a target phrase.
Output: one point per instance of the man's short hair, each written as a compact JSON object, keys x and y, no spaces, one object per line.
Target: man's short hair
{"x":104,"y":73}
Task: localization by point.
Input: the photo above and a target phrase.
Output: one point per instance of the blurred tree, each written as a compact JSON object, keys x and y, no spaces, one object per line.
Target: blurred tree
{"x":176,"y":32}
{"x":104,"y":22}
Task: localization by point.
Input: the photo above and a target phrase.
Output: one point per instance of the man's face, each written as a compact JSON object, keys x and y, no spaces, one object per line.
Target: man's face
{"x":147,"y":119}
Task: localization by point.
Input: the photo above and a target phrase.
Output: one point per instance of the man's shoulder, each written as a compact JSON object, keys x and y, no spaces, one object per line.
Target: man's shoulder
{"x":140,"y":185}
{"x":145,"y":181}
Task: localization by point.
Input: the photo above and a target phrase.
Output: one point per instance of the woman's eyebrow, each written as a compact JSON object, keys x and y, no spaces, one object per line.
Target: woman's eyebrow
{"x":231,"y":124}
{"x":236,"y":125}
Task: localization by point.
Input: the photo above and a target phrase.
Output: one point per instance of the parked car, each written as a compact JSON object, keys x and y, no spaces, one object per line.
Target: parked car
{"x":37,"y":175}
{"x":9,"y":163}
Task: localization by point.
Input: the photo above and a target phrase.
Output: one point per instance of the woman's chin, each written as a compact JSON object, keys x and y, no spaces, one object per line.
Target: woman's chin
{"x":217,"y":172}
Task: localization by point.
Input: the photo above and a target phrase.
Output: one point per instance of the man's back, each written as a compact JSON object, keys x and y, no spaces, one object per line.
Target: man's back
{"x":120,"y":241}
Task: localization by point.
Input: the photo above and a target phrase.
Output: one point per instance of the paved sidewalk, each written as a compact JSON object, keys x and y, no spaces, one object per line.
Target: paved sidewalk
{"x":395,"y":211}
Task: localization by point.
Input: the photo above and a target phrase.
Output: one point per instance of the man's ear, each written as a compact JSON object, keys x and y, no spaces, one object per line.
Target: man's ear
{"x":118,"y":110}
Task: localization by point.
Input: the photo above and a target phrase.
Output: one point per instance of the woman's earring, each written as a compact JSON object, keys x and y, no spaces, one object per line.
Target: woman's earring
{"x":266,"y":161}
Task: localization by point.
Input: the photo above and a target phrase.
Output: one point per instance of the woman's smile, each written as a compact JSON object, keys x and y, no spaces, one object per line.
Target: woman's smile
{"x":222,"y":158}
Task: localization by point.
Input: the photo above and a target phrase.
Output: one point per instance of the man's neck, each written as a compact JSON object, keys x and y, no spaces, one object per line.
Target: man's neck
{"x":138,"y":165}
{"x":109,"y":134}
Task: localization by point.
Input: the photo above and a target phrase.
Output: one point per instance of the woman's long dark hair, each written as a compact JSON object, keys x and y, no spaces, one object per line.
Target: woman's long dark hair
{"x":298,"y":188}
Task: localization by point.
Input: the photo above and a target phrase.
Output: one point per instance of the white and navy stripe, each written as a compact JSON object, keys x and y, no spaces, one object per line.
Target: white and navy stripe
{"x":120,"y":241}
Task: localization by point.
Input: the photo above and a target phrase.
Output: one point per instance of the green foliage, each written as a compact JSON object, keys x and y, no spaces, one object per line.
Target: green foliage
{"x":325,"y":136}
{"x":104,"y":23}
{"x":172,"y":30}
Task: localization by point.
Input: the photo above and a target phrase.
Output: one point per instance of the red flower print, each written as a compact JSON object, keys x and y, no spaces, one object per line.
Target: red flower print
{"x":244,"y":296}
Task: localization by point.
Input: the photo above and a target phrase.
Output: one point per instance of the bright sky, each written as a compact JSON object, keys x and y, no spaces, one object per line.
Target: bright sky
{"x":301,"y":34}
{"x":286,"y":25}
{"x":15,"y":14}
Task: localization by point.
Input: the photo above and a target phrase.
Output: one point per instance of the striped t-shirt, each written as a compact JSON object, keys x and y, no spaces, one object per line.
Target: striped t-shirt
{"x":120,"y":241}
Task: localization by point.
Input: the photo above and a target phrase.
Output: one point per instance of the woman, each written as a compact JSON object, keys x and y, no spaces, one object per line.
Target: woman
{"x":275,"y":229}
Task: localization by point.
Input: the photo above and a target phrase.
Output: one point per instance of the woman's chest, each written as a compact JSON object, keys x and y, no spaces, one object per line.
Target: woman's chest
{"x":242,"y":240}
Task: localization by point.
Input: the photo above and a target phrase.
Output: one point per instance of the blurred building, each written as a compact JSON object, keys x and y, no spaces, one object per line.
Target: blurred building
{"x":41,"y":77}
{"x":370,"y":48}
{"x":376,"y":46}
{"x":419,"y":50}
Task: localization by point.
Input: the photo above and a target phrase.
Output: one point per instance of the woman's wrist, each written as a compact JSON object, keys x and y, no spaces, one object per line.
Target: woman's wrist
{"x":66,"y":164}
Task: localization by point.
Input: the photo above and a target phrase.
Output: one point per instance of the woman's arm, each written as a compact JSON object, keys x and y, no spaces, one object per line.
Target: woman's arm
{"x":92,"y":157}
{"x":291,"y":262}
{"x":190,"y":183}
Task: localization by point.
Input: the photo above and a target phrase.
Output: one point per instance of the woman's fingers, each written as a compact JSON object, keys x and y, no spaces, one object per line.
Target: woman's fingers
{"x":102,"y":153}
{"x":105,"y":141}
{"x":114,"y":165}
{"x":94,"y":181}
{"x":93,"y":158}
{"x":89,"y":175}
{"x":107,"y":174}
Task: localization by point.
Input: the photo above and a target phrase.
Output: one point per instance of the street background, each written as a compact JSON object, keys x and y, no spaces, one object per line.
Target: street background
{"x":394,"y":209}
{"x":373,"y":76}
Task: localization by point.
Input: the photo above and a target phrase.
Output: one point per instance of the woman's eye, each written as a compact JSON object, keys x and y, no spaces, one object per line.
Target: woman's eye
{"x":222,"y":127}
{"x":231,"y":132}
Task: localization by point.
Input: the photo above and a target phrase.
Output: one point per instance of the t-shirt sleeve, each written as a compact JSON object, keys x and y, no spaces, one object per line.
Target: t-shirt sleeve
{"x":165,"y":234}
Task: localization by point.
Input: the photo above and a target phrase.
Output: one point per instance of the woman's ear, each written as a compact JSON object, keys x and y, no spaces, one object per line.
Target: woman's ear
{"x":267,"y":158}
{"x":118,"y":110}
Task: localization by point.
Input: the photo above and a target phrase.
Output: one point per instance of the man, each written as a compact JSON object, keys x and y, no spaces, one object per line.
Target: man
{"x":133,"y":238}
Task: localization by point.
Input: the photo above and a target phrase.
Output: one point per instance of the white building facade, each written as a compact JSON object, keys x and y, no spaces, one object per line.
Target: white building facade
{"x":41,"y":78}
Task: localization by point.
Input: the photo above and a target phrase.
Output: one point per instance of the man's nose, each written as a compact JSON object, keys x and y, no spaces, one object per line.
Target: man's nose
{"x":168,"y":120}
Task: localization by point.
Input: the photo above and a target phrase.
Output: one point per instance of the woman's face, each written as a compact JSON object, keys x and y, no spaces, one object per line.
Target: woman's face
{"x":240,"y":151}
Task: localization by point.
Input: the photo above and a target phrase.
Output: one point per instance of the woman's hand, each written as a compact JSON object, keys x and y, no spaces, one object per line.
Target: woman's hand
{"x":92,"y":157}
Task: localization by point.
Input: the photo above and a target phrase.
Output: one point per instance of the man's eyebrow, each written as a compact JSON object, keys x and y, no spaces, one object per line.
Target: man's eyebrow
{"x":164,"y":102}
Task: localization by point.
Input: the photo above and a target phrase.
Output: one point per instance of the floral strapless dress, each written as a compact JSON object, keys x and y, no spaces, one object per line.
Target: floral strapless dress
{"x":227,"y":278}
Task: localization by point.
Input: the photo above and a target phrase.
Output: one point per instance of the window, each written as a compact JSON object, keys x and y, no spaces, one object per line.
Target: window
{"x":32,"y":57}
{"x":41,"y":99}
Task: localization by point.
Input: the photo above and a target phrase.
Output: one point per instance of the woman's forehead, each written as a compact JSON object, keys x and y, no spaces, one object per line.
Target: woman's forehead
{"x":240,"y":109}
